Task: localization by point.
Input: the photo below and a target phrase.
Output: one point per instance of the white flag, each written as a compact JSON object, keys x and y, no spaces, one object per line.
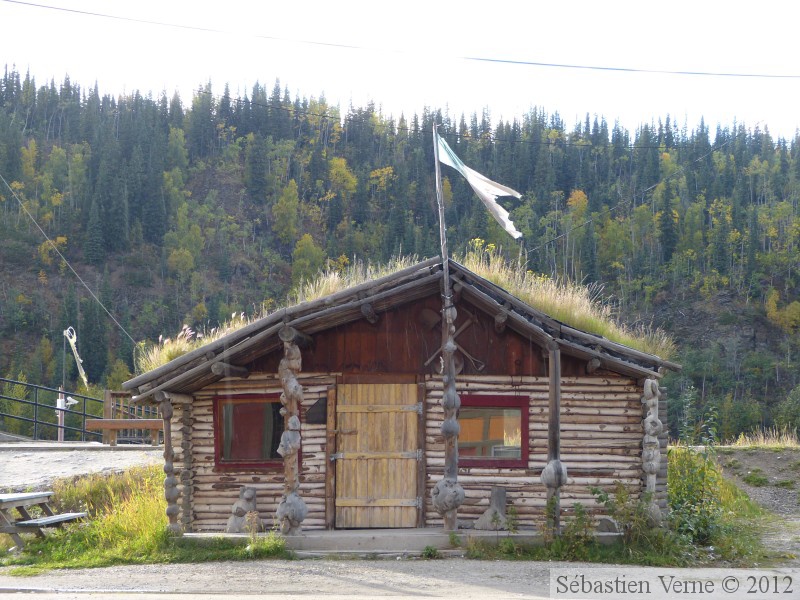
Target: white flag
{"x":486,"y":189}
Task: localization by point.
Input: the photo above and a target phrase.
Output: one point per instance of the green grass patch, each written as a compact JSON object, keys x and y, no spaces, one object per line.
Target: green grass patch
{"x":756,"y":478}
{"x":787,"y":484}
{"x":127,"y":526}
{"x":733,"y":464}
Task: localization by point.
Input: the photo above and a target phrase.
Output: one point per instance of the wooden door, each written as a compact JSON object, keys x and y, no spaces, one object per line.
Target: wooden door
{"x":377,"y":455}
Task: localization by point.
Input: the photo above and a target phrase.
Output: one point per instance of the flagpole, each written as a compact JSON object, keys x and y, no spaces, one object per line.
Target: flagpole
{"x":447,"y":494}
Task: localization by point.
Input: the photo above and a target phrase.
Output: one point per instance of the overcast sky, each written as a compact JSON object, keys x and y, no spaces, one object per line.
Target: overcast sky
{"x":411,"y":54}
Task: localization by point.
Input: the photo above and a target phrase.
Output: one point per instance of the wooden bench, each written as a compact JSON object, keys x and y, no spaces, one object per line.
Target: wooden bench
{"x":113,"y":426}
{"x":51,"y":521}
{"x":20,"y":502}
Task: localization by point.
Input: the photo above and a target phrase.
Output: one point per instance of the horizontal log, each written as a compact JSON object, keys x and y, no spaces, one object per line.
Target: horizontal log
{"x":578,"y":428}
{"x":225,"y":369}
{"x":374,"y":502}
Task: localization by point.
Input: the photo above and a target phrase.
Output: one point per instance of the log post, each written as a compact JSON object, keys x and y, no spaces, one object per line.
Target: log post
{"x":651,"y":450}
{"x":292,"y":510}
{"x":447,"y":495}
{"x":187,"y":474}
{"x":554,"y":475}
{"x":171,"y":491}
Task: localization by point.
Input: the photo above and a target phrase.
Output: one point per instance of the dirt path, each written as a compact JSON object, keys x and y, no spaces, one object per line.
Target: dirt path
{"x":771,"y":478}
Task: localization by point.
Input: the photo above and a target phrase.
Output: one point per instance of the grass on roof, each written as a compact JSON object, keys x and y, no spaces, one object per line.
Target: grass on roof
{"x":580,"y":306}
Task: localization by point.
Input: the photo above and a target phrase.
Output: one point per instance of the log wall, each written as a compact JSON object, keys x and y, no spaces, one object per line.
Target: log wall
{"x":601,"y":443}
{"x":213,"y":492}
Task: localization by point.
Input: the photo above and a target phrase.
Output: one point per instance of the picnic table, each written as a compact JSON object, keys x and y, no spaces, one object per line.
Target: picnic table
{"x":24,"y":522}
{"x":113,"y":426}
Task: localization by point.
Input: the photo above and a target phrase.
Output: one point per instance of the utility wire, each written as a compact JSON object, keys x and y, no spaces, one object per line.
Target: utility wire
{"x":482,"y":59}
{"x":66,"y":262}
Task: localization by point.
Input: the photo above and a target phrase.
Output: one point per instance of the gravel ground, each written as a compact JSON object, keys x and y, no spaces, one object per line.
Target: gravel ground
{"x":31,"y":467}
{"x":361,"y":578}
{"x":779,"y":492}
{"x":34,"y":466}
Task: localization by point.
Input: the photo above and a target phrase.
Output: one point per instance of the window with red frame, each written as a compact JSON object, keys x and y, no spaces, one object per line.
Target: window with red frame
{"x":248,"y":431}
{"x":494,"y":431}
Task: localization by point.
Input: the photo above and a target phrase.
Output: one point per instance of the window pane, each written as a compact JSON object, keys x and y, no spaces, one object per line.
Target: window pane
{"x":490,"y":433}
{"x":251,"y":431}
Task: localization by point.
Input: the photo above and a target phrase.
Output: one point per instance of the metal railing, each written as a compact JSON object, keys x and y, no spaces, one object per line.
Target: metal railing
{"x":32,"y":411}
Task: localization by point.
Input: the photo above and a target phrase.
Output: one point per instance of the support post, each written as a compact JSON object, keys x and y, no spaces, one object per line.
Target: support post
{"x":554,"y":475}
{"x":292,"y":510}
{"x":447,"y":495}
{"x":171,"y":491}
{"x":651,"y":450}
{"x":61,"y":404}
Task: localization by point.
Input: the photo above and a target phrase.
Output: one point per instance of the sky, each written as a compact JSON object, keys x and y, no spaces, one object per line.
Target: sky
{"x":613,"y":59}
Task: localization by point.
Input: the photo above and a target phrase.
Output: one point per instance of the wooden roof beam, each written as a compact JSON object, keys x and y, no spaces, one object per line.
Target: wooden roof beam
{"x":369,"y":313}
{"x":290,"y":335}
{"x":224,"y":369}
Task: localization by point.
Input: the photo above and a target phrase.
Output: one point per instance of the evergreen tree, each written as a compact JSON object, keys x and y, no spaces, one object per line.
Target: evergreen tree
{"x":93,"y":340}
{"x":668,"y":232}
{"x":94,"y":247}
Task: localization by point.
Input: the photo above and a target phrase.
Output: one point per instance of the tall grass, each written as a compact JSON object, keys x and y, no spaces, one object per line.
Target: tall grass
{"x":127,"y":525}
{"x":771,"y":437}
{"x":581,"y":306}
{"x":333,"y":280}
{"x":149,"y":357}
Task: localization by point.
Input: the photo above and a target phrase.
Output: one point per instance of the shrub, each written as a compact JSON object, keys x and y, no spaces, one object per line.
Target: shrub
{"x":630,"y":513}
{"x":692,"y":480}
{"x":787,"y":412}
{"x":576,"y":538}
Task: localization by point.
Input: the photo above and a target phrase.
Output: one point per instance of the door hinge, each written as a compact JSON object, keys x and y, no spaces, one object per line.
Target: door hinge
{"x":420,"y":454}
{"x":419,"y":408}
{"x":419,"y":502}
{"x":337,"y":456}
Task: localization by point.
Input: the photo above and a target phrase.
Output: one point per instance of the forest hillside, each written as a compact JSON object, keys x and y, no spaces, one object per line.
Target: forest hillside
{"x":188,"y":211}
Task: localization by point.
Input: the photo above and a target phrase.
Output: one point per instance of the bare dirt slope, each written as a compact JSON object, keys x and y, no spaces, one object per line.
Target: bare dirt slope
{"x":771,"y":477}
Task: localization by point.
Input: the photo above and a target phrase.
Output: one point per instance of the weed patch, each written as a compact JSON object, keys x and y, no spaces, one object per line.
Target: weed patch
{"x":756,"y":478}
{"x":711,"y":511}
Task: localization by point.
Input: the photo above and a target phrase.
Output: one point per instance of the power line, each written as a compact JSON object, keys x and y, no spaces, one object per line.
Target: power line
{"x":631,"y":69}
{"x":482,"y":59}
{"x":66,"y":262}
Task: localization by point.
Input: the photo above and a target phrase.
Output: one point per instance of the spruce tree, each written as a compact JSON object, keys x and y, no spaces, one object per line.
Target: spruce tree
{"x":93,"y":247}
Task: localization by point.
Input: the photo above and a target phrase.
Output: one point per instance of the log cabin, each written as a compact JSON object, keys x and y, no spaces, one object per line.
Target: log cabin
{"x":332,"y":411}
